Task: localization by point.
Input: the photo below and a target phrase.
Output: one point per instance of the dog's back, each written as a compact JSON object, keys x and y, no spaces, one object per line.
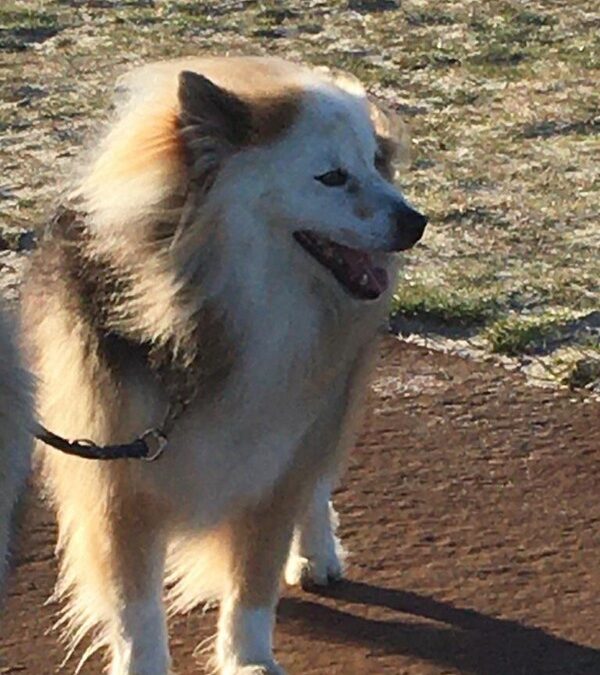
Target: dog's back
{"x":15,"y":425}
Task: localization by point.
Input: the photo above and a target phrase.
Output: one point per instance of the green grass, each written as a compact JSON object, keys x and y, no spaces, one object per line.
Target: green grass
{"x":521,"y":334}
{"x":21,"y":16}
{"x":22,"y":26}
{"x":442,"y":304}
{"x":501,"y":97}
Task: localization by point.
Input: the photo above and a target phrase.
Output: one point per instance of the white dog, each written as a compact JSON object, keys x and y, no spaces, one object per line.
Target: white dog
{"x":231,"y":248}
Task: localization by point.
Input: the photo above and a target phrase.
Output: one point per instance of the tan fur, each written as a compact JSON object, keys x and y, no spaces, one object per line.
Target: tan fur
{"x":392,"y":140}
{"x":16,"y":421}
{"x":77,"y":399}
{"x":139,"y":165}
{"x":123,"y":525}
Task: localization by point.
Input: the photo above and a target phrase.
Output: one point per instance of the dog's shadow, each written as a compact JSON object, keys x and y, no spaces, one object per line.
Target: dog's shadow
{"x":463,"y":639}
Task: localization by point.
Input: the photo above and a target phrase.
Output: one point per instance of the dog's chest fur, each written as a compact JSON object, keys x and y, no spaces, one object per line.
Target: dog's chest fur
{"x":262,"y":364}
{"x":238,"y":443}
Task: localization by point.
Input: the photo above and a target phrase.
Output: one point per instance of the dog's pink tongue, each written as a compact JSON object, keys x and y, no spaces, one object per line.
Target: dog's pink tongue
{"x":370,"y":279}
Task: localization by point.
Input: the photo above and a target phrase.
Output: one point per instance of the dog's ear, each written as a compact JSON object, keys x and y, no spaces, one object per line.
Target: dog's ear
{"x":213,"y":121}
{"x":392,"y":139}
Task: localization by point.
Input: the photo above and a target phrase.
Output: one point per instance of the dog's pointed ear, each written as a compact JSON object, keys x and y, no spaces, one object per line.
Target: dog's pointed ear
{"x":392,"y":139}
{"x":207,"y":110}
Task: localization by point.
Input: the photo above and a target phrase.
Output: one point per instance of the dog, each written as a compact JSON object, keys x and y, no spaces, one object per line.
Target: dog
{"x":16,"y":423}
{"x":233,"y":237}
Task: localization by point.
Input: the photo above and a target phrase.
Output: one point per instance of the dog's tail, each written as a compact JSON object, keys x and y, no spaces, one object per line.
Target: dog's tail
{"x":196,"y":569}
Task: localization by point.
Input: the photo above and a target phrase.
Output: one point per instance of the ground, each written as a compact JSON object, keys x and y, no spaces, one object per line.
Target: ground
{"x":500,"y":98}
{"x":471,"y":502}
{"x":470,"y":508}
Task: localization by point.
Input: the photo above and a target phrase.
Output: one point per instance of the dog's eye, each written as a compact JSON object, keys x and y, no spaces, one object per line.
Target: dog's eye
{"x":335,"y":178}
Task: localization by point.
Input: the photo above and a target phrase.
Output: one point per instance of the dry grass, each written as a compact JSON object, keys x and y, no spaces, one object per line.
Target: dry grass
{"x":501,"y":96}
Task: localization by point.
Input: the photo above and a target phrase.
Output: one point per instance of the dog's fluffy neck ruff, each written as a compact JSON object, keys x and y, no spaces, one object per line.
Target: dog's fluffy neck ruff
{"x":225,"y":270}
{"x":189,"y":247}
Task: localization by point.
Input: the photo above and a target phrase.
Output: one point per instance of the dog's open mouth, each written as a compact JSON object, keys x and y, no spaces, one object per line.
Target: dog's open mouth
{"x":353,"y":269}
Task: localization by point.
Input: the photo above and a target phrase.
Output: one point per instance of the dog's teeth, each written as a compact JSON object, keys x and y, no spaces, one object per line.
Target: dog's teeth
{"x":364,"y":280}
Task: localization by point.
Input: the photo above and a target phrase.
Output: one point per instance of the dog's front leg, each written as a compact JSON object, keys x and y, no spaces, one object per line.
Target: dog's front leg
{"x":259,"y":543}
{"x":317,"y":555}
{"x":137,"y":631}
{"x":114,"y":560}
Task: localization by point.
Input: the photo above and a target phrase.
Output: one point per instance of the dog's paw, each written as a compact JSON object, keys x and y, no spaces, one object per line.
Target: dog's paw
{"x":314,"y":571}
{"x":316,"y":557}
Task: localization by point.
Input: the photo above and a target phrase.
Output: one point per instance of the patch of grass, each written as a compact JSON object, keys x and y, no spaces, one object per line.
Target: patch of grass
{"x":474,"y":216}
{"x":442,"y":304}
{"x":366,"y":6}
{"x":429,"y":16}
{"x":276,"y":13}
{"x":548,"y":128}
{"x":14,"y":16}
{"x":358,"y":65}
{"x":522,"y":334}
{"x":582,"y":52}
{"x":22,"y":26}
{"x":584,"y":372}
{"x":511,"y":35}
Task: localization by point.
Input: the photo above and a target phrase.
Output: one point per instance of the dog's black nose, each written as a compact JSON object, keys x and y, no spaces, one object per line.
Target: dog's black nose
{"x":410,"y":225}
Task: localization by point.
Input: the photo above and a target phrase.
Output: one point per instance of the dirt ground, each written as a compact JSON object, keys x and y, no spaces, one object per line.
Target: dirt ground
{"x":470,"y":507}
{"x":500,"y":99}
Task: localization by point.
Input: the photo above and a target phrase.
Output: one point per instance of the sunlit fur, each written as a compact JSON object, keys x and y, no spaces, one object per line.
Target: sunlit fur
{"x":200,"y":231}
{"x":15,"y":427}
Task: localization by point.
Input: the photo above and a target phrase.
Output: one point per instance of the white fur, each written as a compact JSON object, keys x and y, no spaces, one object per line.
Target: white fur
{"x":245,"y":637}
{"x":317,"y":556}
{"x":140,"y":646}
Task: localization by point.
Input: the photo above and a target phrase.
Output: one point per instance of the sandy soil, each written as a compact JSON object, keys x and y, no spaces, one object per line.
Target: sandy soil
{"x":471,"y":510}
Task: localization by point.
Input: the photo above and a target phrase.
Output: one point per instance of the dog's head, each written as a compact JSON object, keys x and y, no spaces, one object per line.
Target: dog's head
{"x":313,"y":159}
{"x":263,"y":142}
